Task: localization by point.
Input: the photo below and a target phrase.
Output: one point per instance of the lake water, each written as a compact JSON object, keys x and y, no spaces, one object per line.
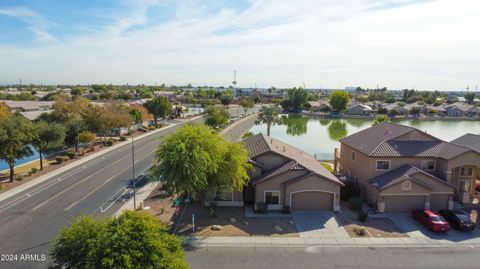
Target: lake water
{"x":4,"y":165}
{"x":320,"y":136}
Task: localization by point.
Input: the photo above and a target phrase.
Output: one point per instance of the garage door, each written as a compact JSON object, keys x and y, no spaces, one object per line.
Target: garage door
{"x":404,"y":203}
{"x":438,"y":201}
{"x":312,"y":200}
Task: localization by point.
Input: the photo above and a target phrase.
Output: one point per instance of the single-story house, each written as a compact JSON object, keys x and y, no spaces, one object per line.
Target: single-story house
{"x":285,"y":176}
{"x":360,"y":109}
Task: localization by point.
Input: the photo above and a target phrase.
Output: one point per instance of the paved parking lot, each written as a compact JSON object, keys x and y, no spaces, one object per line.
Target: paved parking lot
{"x":415,"y":230}
{"x":318,"y":224}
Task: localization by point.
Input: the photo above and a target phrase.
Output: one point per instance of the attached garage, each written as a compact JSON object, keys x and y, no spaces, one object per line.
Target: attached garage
{"x":438,"y":201}
{"x":311,"y":200}
{"x":403,"y":203}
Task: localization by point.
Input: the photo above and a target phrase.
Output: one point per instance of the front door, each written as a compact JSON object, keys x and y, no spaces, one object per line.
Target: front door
{"x":464,"y":189}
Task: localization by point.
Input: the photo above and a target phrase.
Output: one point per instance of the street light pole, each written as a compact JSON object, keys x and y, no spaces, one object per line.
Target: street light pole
{"x":133,"y":175}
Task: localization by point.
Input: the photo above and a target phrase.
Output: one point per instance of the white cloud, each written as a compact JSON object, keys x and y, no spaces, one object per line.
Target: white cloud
{"x":36,"y":23}
{"x":430,"y":45}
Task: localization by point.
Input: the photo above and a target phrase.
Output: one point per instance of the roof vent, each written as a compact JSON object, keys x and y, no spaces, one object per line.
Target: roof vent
{"x":284,"y":149}
{"x":271,"y":140}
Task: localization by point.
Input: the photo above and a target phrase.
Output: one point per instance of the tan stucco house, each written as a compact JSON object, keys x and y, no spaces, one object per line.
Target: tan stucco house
{"x":400,"y":168}
{"x":283,"y":175}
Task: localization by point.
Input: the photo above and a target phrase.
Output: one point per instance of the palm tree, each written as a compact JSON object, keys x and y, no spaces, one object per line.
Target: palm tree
{"x":268,"y":115}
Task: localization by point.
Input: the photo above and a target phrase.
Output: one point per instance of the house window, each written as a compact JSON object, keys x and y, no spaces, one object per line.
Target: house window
{"x":466,"y":171}
{"x":428,"y":165}
{"x":407,"y":185}
{"x":383,"y":165}
{"x":228,"y":197}
{"x":272,"y":197}
{"x":353,"y":155}
{"x":464,"y":186}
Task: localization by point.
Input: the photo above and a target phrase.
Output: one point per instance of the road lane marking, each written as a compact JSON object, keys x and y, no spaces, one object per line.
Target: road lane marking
{"x":71,"y":186}
{"x":103,"y":184}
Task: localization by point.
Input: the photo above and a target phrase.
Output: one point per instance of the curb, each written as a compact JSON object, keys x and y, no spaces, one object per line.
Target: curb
{"x":34,"y":182}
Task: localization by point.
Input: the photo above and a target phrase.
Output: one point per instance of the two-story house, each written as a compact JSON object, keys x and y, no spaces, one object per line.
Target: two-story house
{"x":283,"y":175}
{"x":400,"y":168}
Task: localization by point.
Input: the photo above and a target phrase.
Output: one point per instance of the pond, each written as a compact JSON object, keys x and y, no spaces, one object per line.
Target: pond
{"x":320,"y":136}
{"x":35,"y":156}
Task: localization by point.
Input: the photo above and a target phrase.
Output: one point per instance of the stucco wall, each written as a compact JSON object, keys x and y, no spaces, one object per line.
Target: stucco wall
{"x":275,"y":184}
{"x":313,"y":182}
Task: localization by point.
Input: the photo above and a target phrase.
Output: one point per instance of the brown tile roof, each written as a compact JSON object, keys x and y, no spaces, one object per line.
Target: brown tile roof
{"x":291,"y":165}
{"x":260,"y":144}
{"x":378,"y":141}
{"x":400,"y":174}
{"x":471,"y":141}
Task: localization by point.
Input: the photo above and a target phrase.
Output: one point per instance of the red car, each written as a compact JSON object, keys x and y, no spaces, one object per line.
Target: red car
{"x":431,"y":220}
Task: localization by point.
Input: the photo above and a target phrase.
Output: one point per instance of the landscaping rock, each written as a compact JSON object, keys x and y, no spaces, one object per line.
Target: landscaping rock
{"x":216,"y":227}
{"x":233,"y":220}
{"x":277,"y":229}
{"x":291,"y":222}
{"x":245,"y":222}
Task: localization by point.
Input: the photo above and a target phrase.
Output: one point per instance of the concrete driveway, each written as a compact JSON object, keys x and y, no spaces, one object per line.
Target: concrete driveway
{"x":321,"y":224}
{"x":414,"y":229}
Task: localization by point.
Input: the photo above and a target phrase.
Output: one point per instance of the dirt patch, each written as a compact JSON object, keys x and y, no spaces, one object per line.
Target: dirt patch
{"x":241,"y":227}
{"x":161,"y":206}
{"x":372,"y":227}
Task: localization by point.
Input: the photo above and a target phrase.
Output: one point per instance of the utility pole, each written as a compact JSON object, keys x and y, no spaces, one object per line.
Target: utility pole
{"x":20,"y":84}
{"x":234,"y":83}
{"x":133,"y":175}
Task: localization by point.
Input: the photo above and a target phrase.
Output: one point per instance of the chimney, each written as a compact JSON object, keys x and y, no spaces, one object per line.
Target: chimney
{"x":284,"y":149}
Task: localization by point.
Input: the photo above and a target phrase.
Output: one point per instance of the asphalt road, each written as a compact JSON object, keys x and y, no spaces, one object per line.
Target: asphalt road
{"x":31,"y":219}
{"x":332,"y":257}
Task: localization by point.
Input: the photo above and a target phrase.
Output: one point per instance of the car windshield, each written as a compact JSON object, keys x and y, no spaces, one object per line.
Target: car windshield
{"x":463,"y":217}
{"x":437,"y":218}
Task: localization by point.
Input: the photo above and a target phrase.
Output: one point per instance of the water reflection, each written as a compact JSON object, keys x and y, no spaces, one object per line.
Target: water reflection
{"x":296,"y":124}
{"x":337,"y":130}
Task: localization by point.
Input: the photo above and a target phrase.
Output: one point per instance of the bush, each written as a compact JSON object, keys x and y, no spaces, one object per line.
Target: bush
{"x":109,"y":143}
{"x":360,"y":231}
{"x":286,"y":210}
{"x":262,"y":207}
{"x":19,"y":178}
{"x":33,"y":170}
{"x":362,"y":216}
{"x":71,"y":154}
{"x":143,"y":129}
{"x":159,"y":125}
{"x":123,"y":138}
{"x":61,"y":159}
{"x":130,"y":131}
{"x":356,"y":203}
{"x":349,"y":190}
{"x":151,"y":127}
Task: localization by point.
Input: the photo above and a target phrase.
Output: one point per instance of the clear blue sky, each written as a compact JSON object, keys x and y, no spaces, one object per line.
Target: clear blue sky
{"x":283,"y":43}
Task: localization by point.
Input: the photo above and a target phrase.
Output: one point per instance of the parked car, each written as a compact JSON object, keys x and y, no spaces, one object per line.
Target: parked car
{"x":458,"y":220}
{"x":431,"y":220}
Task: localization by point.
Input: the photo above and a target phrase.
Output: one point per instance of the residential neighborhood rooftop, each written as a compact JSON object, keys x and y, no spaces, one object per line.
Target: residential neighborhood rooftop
{"x":260,"y":144}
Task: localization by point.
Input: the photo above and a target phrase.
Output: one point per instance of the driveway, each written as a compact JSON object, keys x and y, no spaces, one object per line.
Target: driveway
{"x":321,"y":224}
{"x":414,"y":229}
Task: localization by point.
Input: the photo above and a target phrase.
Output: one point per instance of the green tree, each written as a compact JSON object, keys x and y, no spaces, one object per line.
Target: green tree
{"x":381,"y":118}
{"x":195,"y":160}
{"x":48,"y":136}
{"x":133,"y":240}
{"x":216,"y":117}
{"x":339,"y":100}
{"x":159,"y":106}
{"x":268,"y":115}
{"x":226,"y":99}
{"x":297,"y":99}
{"x":469,"y":97}
{"x":246,"y":103}
{"x":16,"y":134}
{"x":277,"y":102}
{"x":86,"y":137}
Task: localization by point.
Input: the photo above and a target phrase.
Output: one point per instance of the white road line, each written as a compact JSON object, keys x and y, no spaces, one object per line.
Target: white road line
{"x":103,"y":184}
{"x":112,"y":203}
{"x":71,"y":186}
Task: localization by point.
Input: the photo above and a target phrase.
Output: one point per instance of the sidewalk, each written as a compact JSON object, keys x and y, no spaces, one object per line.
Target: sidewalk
{"x":323,"y":242}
